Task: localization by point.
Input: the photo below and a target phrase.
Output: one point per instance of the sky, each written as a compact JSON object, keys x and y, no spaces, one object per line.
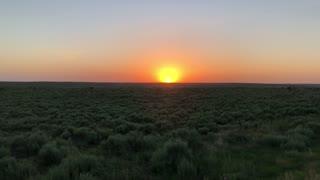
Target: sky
{"x":262,"y":41}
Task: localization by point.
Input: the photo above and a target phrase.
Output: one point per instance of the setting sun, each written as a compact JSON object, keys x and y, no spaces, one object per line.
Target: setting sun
{"x":169,"y":75}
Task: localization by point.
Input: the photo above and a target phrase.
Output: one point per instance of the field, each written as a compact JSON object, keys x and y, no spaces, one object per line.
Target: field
{"x":71,"y":131}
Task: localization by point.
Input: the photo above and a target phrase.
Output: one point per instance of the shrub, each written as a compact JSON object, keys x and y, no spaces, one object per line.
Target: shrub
{"x":119,"y":168}
{"x":86,"y":176}
{"x":203,"y":130}
{"x":301,"y":130}
{"x":10,"y":169}
{"x":314,"y":126}
{"x":83,"y":136}
{"x":66,"y":134}
{"x":122,"y":144}
{"x":115,"y":144}
{"x":237,"y":138}
{"x":4,"y":151}
{"x":299,"y":138}
{"x":50,"y":154}
{"x":147,"y":128}
{"x":167,"y":158}
{"x":73,"y":167}
{"x":191,"y":136}
{"x":66,"y":146}
{"x":22,"y":146}
{"x":273,"y":140}
{"x":135,"y":141}
{"x":295,"y":144}
{"x":186,"y":169}
{"x":124,"y":128}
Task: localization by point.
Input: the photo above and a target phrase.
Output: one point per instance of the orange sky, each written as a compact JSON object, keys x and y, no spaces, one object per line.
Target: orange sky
{"x":205,"y":41}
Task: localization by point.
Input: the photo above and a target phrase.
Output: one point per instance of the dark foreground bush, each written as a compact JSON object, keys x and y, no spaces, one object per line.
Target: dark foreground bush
{"x":26,"y":146}
{"x":123,"y":145}
{"x":169,"y":157}
{"x":87,"y":177}
{"x":11,"y":169}
{"x":295,"y":144}
{"x":115,"y":144}
{"x":302,"y":131}
{"x":50,"y":154}
{"x":273,"y":140}
{"x":314,"y":126}
{"x":190,"y":136}
{"x":186,"y":169}
{"x":299,"y":138}
{"x":72,"y":168}
{"x":237,"y":138}
{"x":4,"y":151}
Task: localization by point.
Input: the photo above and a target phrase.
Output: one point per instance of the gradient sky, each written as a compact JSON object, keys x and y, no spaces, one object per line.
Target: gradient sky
{"x":264,"y":41}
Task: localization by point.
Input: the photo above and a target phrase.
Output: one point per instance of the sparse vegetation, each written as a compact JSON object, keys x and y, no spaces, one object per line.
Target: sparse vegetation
{"x":159,"y":132}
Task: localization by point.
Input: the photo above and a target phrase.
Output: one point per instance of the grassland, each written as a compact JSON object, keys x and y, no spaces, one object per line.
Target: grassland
{"x":70,"y":131}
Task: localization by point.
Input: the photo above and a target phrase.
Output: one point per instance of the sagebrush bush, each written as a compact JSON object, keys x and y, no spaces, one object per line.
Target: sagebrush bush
{"x":115,"y":144}
{"x":299,"y":138}
{"x":273,"y":140}
{"x":4,"y":151}
{"x":203,"y":130}
{"x":124,"y":128}
{"x":72,"y":167}
{"x":315,"y":126}
{"x":167,"y":158}
{"x":119,"y":144}
{"x":26,"y":146}
{"x":301,"y":130}
{"x":237,"y":138}
{"x":50,"y":154}
{"x":86,"y":176}
{"x":186,"y":169}
{"x":295,"y":144}
{"x":191,"y":136}
{"x":11,"y":169}
{"x":83,"y":136}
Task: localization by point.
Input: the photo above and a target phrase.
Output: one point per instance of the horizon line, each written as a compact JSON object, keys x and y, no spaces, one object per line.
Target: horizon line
{"x":124,"y":82}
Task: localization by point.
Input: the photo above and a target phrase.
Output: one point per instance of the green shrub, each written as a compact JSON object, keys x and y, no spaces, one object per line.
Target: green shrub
{"x":119,"y":168}
{"x":167,"y":158}
{"x":314,"y":126}
{"x":191,"y":136}
{"x":73,"y":167}
{"x":301,"y":130}
{"x":84,"y":136}
{"x":115,"y":144}
{"x":26,"y":146}
{"x":203,"y":130}
{"x":4,"y":151}
{"x":273,"y":140}
{"x":186,"y":169}
{"x":123,"y":144}
{"x":10,"y":169}
{"x":298,"y":138}
{"x":295,"y":144}
{"x":237,"y":138}
{"x":124,"y":128}
{"x":147,"y":128}
{"x":50,"y":154}
{"x":86,"y":176}
{"x":65,"y":134}
{"x":67,"y":147}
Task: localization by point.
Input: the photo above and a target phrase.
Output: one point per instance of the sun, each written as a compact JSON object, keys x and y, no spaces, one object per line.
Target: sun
{"x":169,"y":75}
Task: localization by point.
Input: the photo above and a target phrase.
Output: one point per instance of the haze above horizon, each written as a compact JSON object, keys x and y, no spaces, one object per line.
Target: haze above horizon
{"x":275,"y":41}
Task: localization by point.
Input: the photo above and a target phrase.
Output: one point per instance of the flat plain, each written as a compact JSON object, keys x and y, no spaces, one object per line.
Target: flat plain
{"x":92,"y":131}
